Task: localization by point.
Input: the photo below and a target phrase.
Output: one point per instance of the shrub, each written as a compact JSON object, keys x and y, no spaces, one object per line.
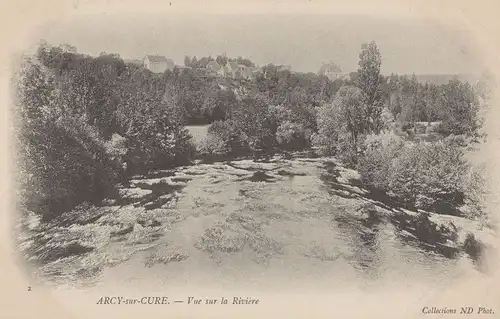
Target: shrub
{"x":117,"y":146}
{"x":213,"y":146}
{"x":292,"y":136}
{"x":349,"y":151}
{"x":62,"y":159}
{"x":226,"y":130}
{"x":473,"y":247}
{"x":224,"y":139}
{"x":459,"y":110}
{"x":379,"y":150}
{"x":476,"y":195}
{"x":256,"y":120}
{"x":328,"y":135}
{"x":430,"y":176}
{"x":157,"y":140}
{"x":69,"y":167}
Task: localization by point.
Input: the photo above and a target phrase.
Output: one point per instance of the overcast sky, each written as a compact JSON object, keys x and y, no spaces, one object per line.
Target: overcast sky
{"x":304,"y":42}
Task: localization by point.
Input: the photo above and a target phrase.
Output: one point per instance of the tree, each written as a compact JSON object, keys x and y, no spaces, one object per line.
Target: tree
{"x":194,"y":62}
{"x":342,"y":124}
{"x":244,"y":61}
{"x":291,"y":135}
{"x":217,"y":103}
{"x":460,"y":109}
{"x":187,"y":61}
{"x":222,"y":60}
{"x":63,"y":161}
{"x":350,"y":103}
{"x":256,"y":121}
{"x":368,"y":79}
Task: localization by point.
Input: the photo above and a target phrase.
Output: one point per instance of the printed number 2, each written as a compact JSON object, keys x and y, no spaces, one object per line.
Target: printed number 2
{"x":29,"y":288}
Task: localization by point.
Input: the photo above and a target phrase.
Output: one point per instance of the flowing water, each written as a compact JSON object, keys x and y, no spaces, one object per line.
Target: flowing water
{"x":284,"y":223}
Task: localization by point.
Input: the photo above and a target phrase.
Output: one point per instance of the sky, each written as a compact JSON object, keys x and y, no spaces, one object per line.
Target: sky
{"x":302,"y":41}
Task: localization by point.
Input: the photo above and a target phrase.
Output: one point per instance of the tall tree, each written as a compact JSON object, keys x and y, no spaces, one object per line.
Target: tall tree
{"x":194,"y":62}
{"x":368,"y":79}
{"x":187,"y":61}
{"x":342,"y":124}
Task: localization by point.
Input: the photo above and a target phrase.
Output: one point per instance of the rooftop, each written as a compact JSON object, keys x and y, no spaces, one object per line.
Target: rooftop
{"x":157,"y":58}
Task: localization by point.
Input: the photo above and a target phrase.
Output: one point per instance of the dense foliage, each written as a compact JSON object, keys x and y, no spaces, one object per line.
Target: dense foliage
{"x":81,"y":118}
{"x":63,"y":159}
{"x":428,"y":176}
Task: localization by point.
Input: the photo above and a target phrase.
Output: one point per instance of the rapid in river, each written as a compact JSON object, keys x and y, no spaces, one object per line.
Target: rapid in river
{"x":284,"y":223}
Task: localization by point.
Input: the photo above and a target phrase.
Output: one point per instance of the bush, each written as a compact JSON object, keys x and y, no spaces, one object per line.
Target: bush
{"x":226,"y":130}
{"x":64,"y":163}
{"x":256,"y":120}
{"x":379,"y":150}
{"x":213,"y":147}
{"x":117,"y":146}
{"x":476,"y":195}
{"x":473,"y":247}
{"x":348,"y":151}
{"x":292,"y":136}
{"x":326,"y":139}
{"x":429,"y":176}
{"x":223,"y":140}
{"x":157,"y":140}
{"x":459,"y":110}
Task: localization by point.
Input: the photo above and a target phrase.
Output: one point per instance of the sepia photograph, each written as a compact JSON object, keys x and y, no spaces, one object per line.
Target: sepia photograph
{"x":270,"y":151}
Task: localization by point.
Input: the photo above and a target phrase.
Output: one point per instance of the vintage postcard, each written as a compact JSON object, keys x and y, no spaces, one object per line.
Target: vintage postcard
{"x":238,"y":159}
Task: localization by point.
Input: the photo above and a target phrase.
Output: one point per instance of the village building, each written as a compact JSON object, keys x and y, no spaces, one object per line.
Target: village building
{"x":158,"y":63}
{"x":233,"y":69}
{"x":246,"y":72}
{"x":223,"y":71}
{"x":213,"y":66}
{"x":182,"y":68}
{"x":282,"y":68}
{"x":331,"y":71}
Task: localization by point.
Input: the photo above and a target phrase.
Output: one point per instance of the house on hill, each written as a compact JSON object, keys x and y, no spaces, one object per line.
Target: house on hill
{"x":223,"y":71}
{"x":233,"y":69}
{"x":213,"y":66}
{"x":246,"y":72}
{"x":282,"y":68}
{"x":255,"y":71}
{"x":239,"y":71}
{"x":158,"y":63}
{"x":331,"y":70}
{"x":182,"y":68}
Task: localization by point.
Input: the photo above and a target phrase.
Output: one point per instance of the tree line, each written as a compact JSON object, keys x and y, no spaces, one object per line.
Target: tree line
{"x":199,"y":63}
{"x":82,"y":117}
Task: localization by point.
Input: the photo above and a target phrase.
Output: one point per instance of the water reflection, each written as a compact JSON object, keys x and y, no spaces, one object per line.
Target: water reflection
{"x":361,"y":235}
{"x":421,"y":232}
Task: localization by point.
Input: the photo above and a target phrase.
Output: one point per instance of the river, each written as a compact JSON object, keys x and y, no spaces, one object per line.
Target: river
{"x":281,"y":224}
